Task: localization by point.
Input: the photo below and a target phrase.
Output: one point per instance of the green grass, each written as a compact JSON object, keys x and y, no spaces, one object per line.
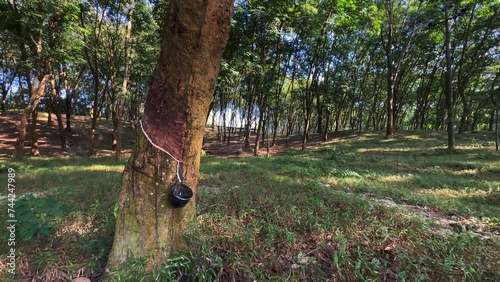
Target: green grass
{"x":295,"y":217}
{"x":88,"y":187}
{"x":261,"y":214}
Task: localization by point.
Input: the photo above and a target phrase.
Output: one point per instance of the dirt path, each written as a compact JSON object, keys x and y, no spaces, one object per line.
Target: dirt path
{"x":442,"y":223}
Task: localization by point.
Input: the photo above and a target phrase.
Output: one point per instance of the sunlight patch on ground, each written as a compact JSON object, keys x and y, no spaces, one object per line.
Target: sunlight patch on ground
{"x":116,"y":168}
{"x":452,"y":194}
{"x":487,"y":147}
{"x":395,"y":179}
{"x":406,"y":149}
{"x":413,"y":137}
{"x":80,"y":225}
{"x":467,"y":172}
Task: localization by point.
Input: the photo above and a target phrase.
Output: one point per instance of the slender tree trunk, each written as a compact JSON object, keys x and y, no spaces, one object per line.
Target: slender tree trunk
{"x":93,"y":123}
{"x":126,"y":78}
{"x":114,"y":111}
{"x":5,"y":91}
{"x":259,"y":128}
{"x":4,"y":100}
{"x":497,"y":139}
{"x":248,"y":124}
{"x":195,"y":34}
{"x":337,"y":120}
{"x":49,"y":110}
{"x":231,"y":125}
{"x":37,"y":92}
{"x":307,"y":125}
{"x":449,"y":90}
{"x":70,"y":91}
{"x":390,"y":75}
{"x":327,"y":126}
{"x":390,"y":103}
{"x":60,"y":126}
{"x":492,"y":120}
{"x":464,"y":119}
{"x":275,"y":129}
{"x":68,"y":110}
{"x":307,"y":118}
{"x":213,"y":121}
{"x":33,"y":135}
{"x":56,"y":103}
{"x":268,"y":149}
{"x":319,"y":110}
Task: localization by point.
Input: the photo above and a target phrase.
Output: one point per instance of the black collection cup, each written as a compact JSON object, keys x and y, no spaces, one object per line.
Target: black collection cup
{"x":181,"y":194}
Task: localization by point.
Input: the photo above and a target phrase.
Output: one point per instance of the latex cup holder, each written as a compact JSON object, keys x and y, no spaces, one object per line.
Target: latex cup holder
{"x":181,"y":194}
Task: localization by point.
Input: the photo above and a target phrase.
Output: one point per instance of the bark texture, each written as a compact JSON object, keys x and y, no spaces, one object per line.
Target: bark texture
{"x":179,"y":97}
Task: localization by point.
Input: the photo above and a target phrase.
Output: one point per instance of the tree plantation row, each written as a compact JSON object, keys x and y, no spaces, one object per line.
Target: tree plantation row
{"x":290,"y":67}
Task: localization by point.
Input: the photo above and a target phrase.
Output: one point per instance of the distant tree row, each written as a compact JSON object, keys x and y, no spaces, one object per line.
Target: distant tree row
{"x":290,"y":67}
{"x":84,"y":57}
{"x":322,"y":66}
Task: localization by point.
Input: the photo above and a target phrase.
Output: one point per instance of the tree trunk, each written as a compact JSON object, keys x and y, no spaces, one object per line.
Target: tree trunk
{"x":4,"y":100}
{"x":68,"y":111}
{"x":327,"y":126}
{"x":390,"y":75}
{"x":35,"y":96}
{"x":248,"y":123}
{"x":464,"y":119}
{"x":5,"y":91}
{"x":305,"y":135}
{"x":195,"y":34}
{"x":448,"y":87}
{"x":70,"y":91}
{"x":497,"y":139}
{"x":55,"y":105}
{"x":34,"y":137}
{"x":126,"y":78}
{"x":49,"y":105}
{"x":492,"y":120}
{"x":60,"y":126}
{"x":231,"y":126}
{"x":259,"y":128}
{"x":94,"y":114}
{"x":275,"y":129}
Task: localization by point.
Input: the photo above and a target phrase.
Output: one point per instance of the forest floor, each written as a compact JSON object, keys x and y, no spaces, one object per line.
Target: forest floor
{"x":359,"y":207}
{"x":77,"y":140}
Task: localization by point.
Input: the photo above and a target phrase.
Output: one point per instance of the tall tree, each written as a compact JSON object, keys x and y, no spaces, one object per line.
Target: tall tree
{"x":126,"y":77}
{"x":32,"y":27}
{"x":171,"y":132}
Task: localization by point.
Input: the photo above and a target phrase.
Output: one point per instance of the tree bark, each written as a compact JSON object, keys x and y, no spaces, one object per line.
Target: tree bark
{"x":194,"y":37}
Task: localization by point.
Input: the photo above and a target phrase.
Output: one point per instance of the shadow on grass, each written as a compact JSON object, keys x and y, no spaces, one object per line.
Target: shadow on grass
{"x":84,"y":235}
{"x":250,"y":208}
{"x":392,"y":172}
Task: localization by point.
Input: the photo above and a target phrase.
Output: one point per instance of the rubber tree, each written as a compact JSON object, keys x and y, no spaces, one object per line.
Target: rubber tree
{"x":117,"y":120}
{"x":171,"y":132}
{"x":27,"y":29}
